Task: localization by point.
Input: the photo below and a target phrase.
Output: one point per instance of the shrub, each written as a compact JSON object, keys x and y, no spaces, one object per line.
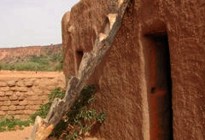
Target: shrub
{"x":12,"y":124}
{"x":81,"y":118}
{"x":48,"y":62}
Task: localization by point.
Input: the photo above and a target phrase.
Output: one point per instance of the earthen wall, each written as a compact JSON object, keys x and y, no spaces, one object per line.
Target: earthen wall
{"x":124,"y":78}
{"x":21,"y":93}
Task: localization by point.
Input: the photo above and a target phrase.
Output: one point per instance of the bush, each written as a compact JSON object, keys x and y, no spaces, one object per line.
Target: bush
{"x":81,"y":118}
{"x":49,"y":62}
{"x":13,"y":124}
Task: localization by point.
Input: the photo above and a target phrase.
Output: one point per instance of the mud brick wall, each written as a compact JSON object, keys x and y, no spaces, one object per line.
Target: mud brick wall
{"x":151,"y":83}
{"x":21,"y":96}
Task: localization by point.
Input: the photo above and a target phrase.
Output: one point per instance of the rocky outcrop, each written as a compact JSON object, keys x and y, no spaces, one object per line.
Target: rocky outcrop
{"x":136,"y":88}
{"x":21,"y":93}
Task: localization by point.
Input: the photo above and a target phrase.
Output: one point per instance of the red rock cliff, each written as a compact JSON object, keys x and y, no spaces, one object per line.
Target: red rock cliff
{"x":152,"y":81}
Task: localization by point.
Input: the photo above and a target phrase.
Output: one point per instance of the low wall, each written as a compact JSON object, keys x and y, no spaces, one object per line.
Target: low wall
{"x":21,"y":93}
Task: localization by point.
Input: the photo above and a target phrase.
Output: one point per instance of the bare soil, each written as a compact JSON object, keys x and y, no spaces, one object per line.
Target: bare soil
{"x":7,"y":74}
{"x":16,"y":135}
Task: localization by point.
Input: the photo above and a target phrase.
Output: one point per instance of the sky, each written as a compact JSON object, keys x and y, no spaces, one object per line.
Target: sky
{"x":32,"y":22}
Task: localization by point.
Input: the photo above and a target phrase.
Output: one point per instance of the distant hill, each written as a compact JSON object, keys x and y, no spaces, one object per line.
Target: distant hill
{"x":32,"y":58}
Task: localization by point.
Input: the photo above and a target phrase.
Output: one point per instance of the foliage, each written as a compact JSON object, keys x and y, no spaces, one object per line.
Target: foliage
{"x":80,"y":119}
{"x":43,"y":110}
{"x":48,"y":62}
{"x":13,"y":124}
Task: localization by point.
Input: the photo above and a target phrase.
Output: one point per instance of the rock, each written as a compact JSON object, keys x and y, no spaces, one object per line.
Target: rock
{"x":20,"y":89}
{"x":7,"y":103}
{"x":13,"y":98}
{"x":29,"y":112}
{"x":22,"y":97}
{"x":3,"y":84}
{"x":28,"y":83}
{"x":19,"y":93}
{"x":36,"y":90}
{"x":19,"y":112}
{"x":37,"y":102}
{"x":4,"y":108}
{"x":12,"y":108}
{"x":23,"y":102}
{"x":20,"y":83}
{"x":16,"y":103}
{"x":2,"y":113}
{"x":11,"y":83}
{"x":4,"y":98}
{"x":5,"y":89}
{"x":11,"y":113}
{"x":20,"y":107}
{"x":9,"y":93}
{"x":33,"y":98}
{"x":34,"y":107}
{"x":2,"y":94}
{"x":29,"y":93}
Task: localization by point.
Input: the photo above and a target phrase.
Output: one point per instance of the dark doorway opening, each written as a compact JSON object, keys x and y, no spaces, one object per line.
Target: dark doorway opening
{"x":159,"y":86}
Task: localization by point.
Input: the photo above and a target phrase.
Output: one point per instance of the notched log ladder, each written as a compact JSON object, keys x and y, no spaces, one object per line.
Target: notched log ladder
{"x":43,"y":127}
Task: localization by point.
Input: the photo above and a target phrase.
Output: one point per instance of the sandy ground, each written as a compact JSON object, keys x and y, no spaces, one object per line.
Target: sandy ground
{"x":7,"y":74}
{"x":16,"y":135}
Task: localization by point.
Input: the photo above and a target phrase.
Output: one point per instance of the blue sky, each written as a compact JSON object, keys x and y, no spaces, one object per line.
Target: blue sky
{"x":31,"y":22}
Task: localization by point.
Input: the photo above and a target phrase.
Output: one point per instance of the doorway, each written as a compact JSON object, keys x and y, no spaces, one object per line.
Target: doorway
{"x":159,"y":86}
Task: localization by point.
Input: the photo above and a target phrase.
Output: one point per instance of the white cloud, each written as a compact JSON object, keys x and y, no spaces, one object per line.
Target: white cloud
{"x":26,"y":22}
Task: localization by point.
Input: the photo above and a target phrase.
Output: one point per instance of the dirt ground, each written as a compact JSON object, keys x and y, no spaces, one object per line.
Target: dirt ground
{"x":16,"y":135}
{"x":5,"y":74}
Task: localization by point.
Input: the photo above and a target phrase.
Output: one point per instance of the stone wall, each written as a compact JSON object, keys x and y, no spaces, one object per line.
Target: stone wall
{"x":21,"y":93}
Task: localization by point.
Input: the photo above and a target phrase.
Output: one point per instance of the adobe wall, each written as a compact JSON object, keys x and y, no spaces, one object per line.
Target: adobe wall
{"x":124,"y":78}
{"x":21,"y":93}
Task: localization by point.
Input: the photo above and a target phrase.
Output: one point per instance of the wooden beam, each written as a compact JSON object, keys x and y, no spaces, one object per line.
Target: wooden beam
{"x":43,"y":128}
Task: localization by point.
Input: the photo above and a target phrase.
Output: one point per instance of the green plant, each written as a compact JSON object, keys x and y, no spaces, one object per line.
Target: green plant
{"x":47,"y":62}
{"x":43,"y":110}
{"x":80,"y":119}
{"x":13,"y":124}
